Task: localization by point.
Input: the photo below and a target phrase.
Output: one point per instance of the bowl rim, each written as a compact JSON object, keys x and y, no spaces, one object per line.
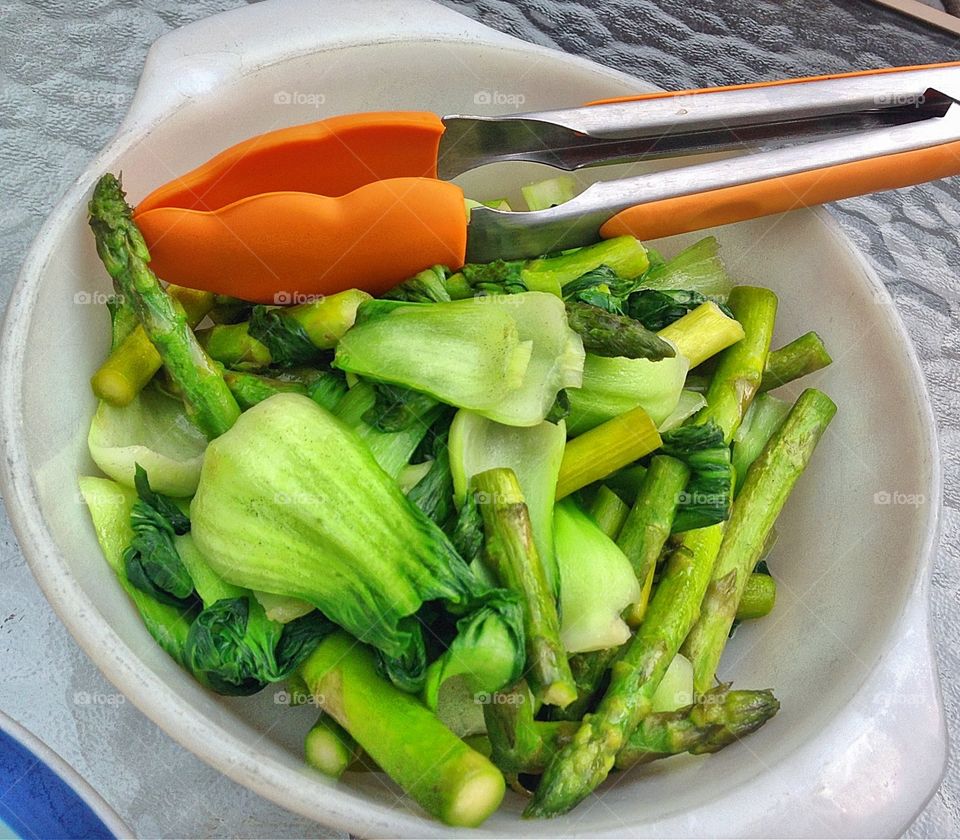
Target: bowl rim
{"x":351,"y":810}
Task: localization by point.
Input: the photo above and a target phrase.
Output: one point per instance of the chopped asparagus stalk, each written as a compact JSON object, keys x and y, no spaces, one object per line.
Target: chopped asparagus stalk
{"x":649,"y":523}
{"x":329,"y":748}
{"x":512,"y":556}
{"x":802,"y":356}
{"x":764,"y":492}
{"x":580,"y":766}
{"x":740,"y":368}
{"x":134,"y":361}
{"x":702,"y":333}
{"x":608,"y":334}
{"x":232,"y":346}
{"x":759,"y":597}
{"x":120,"y":245}
{"x":605,"y":449}
{"x":249,"y":389}
{"x":609,"y":511}
{"x":443,"y":775}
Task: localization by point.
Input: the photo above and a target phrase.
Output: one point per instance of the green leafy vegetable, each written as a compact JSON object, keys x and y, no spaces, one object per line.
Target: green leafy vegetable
{"x":612,"y":386}
{"x":285,"y":338}
{"x":151,"y":561}
{"x":697,"y":268}
{"x":656,"y":309}
{"x":332,"y":528}
{"x":154,"y":431}
{"x":596,"y":582}
{"x":707,"y":497}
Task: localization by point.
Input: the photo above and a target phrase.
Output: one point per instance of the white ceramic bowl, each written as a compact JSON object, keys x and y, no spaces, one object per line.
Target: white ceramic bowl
{"x":859,"y":744}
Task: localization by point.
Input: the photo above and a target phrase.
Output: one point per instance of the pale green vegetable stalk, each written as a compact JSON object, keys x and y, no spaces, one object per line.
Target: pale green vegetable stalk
{"x":605,"y":449}
{"x":440,"y":772}
{"x":740,"y":368}
{"x":761,"y":420}
{"x":702,"y":333}
{"x":596,"y":583}
{"x":391,"y":450}
{"x":329,"y":748}
{"x":609,"y":511}
{"x":152,"y":431}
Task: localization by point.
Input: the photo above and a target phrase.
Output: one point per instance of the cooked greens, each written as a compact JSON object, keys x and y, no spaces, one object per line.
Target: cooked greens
{"x":495,"y":511}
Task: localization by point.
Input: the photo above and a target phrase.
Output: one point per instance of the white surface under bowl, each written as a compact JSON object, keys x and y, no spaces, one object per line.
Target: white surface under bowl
{"x":859,"y":744}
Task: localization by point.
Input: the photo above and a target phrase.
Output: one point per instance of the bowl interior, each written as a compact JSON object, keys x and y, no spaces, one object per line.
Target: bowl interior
{"x":849,"y":538}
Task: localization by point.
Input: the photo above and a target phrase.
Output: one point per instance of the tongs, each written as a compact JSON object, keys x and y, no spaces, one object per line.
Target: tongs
{"x":364,"y":201}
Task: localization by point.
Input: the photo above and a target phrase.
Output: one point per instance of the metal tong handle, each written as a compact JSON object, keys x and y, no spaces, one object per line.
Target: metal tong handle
{"x":915,"y":136}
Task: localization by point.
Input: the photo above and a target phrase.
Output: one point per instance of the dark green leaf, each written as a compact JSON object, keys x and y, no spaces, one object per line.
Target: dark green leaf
{"x":285,"y":338}
{"x":499,"y":277}
{"x":233,"y":647}
{"x":707,"y":497}
{"x":151,"y":561}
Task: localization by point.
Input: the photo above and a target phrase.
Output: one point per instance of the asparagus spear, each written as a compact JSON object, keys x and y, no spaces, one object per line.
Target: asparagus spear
{"x":232,"y":346}
{"x":580,"y":766}
{"x":765,"y":490}
{"x":759,"y":596}
{"x":249,"y":389}
{"x":702,"y":333}
{"x":520,"y":744}
{"x":609,"y":511}
{"x":446,"y":778}
{"x":120,"y":245}
{"x":800,"y":357}
{"x":512,"y":556}
{"x":134,"y":361}
{"x":740,"y":368}
{"x":649,"y":523}
{"x":608,"y":334}
{"x":329,"y":748}
{"x":605,"y":449}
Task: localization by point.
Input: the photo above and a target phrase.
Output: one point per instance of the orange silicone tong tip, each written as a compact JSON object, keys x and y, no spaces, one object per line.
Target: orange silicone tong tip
{"x":278,"y":247}
{"x":329,"y":157}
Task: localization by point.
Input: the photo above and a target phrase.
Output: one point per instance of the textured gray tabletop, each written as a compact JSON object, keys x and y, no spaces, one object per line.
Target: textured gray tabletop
{"x":67,"y":73}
